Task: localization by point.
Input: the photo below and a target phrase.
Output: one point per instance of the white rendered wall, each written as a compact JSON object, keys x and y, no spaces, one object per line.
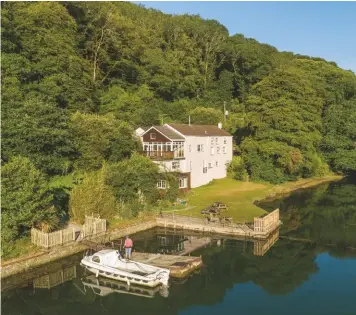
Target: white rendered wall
{"x":201,"y":159}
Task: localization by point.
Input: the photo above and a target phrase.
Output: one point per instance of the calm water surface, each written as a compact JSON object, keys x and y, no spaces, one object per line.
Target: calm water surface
{"x":311,"y":269}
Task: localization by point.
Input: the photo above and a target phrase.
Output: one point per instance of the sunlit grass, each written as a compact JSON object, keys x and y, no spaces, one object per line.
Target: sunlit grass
{"x":238,"y":196}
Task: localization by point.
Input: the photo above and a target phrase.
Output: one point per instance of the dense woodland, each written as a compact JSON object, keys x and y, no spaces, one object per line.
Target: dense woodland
{"x":79,"y":77}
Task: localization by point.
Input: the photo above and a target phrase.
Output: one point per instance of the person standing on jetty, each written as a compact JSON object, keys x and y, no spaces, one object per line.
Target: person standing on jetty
{"x":128,"y":247}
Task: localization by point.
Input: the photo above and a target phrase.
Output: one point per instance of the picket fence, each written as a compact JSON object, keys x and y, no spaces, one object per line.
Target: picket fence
{"x":92,"y":226}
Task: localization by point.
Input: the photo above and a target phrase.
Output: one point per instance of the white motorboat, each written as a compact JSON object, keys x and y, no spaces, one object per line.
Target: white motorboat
{"x":109,"y":263}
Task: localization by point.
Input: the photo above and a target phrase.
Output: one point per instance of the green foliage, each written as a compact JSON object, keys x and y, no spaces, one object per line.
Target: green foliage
{"x":26,"y":200}
{"x":42,"y":36}
{"x":237,"y":169}
{"x":172,"y":192}
{"x":100,"y":138}
{"x":133,"y":179}
{"x":339,"y":142}
{"x":92,"y":197}
{"x":40,"y":132}
{"x":79,"y":77}
{"x":205,"y":116}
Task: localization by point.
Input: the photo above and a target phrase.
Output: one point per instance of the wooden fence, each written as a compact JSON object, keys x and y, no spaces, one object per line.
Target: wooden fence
{"x":48,"y":240}
{"x":53,"y":279}
{"x":266,"y":223}
{"x":93,"y":226}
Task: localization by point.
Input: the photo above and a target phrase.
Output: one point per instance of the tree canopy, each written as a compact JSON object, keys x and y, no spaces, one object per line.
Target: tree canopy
{"x":79,"y":77}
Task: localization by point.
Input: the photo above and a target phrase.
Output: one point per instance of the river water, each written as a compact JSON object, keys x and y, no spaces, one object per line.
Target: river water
{"x":310,"y":269}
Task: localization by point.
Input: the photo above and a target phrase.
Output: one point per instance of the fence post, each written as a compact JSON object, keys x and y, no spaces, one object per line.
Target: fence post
{"x":47,"y":244}
{"x":61,"y":237}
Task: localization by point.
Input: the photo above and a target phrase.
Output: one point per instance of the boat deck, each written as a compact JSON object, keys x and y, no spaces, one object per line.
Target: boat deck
{"x":180,"y":266}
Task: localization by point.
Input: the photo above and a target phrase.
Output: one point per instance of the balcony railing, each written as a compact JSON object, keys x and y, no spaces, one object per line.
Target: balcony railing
{"x":164,"y":155}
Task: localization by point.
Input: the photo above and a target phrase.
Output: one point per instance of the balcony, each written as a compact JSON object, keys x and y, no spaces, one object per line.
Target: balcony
{"x":163,"y":155}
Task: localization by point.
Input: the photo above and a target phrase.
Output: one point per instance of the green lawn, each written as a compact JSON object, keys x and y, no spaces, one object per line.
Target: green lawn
{"x":238,"y":196}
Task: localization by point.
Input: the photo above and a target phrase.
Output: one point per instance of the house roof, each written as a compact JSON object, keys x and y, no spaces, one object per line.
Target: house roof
{"x":168,"y":132}
{"x":200,"y":130}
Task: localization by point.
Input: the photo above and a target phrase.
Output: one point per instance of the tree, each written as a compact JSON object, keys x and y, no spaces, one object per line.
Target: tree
{"x":339,"y":142}
{"x":205,"y":116}
{"x":26,"y":200}
{"x":40,"y":132}
{"x":42,"y":36}
{"x":134,"y":177}
{"x":93,"y":197}
{"x":284,"y":119}
{"x":135,"y":106}
{"x":99,"y":138}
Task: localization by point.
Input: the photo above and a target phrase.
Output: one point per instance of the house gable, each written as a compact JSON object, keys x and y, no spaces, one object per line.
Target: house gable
{"x":154,"y":135}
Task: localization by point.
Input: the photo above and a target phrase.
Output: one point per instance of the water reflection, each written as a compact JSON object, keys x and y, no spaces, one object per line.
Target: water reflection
{"x":325,"y":214}
{"x":180,"y":242}
{"x":53,"y":279}
{"x":103,"y":287}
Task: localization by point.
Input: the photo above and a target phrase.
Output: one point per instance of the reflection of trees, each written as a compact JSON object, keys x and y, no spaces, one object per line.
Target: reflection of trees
{"x":325,"y":214}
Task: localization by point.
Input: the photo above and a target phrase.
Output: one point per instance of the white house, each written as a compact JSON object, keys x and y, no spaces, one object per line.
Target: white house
{"x":199,"y":153}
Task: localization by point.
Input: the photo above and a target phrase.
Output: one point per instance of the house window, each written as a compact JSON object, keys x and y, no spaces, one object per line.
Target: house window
{"x":175,"y":165}
{"x":210,"y":165}
{"x":212,"y":141}
{"x":205,"y":170}
{"x":216,"y":140}
{"x":152,"y":136}
{"x":218,"y":150}
{"x":200,"y":148}
{"x":212,"y":151}
{"x":190,"y":148}
{"x":161,"y":184}
{"x":217,"y":163}
{"x":224,"y":149}
{"x":225,"y":140}
{"x":183,"y":182}
{"x":191,"y":165}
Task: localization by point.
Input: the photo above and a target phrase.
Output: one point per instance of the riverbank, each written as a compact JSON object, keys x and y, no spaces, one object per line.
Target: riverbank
{"x":239,"y":196}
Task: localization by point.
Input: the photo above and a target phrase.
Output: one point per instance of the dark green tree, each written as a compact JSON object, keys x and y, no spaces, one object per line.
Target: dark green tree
{"x":25,"y":200}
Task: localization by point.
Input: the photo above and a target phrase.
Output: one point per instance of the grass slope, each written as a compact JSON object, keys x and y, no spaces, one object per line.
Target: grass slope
{"x":239,"y":197}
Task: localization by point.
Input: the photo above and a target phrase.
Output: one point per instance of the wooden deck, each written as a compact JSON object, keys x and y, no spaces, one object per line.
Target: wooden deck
{"x":254,"y":230}
{"x":180,"y":266}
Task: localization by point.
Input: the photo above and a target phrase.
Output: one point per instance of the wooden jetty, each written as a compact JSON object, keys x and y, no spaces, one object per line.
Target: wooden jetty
{"x":261,"y":228}
{"x":192,"y":244}
{"x":180,"y":266}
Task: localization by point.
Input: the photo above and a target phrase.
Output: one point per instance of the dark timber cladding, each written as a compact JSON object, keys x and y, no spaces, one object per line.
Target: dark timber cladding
{"x":160,"y":134}
{"x":200,"y":130}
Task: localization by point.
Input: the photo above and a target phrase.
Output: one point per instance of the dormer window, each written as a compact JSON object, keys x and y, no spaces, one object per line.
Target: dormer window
{"x":152,"y":136}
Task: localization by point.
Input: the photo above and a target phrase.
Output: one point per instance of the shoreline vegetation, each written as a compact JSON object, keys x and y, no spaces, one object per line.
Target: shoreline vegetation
{"x":239,"y":196}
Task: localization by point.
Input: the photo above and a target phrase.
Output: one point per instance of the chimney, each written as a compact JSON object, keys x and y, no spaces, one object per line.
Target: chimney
{"x":220,"y":125}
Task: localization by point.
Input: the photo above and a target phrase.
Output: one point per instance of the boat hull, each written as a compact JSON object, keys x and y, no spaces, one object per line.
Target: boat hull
{"x":127,"y":279}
